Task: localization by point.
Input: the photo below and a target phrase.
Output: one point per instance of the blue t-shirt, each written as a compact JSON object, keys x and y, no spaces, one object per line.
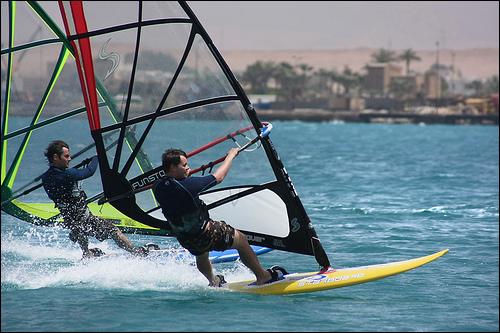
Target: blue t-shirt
{"x":180,"y":202}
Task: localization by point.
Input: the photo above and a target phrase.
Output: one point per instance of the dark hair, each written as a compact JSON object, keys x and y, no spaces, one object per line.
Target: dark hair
{"x":55,"y":147}
{"x":171,"y":157}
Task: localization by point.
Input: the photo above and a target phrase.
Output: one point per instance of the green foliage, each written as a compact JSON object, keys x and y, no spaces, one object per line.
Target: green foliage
{"x":298,"y":83}
{"x":408,"y":56}
{"x":491,"y":85}
{"x":384,"y":56}
{"x":403,"y":88}
{"x":258,"y":75}
{"x":484,"y":88}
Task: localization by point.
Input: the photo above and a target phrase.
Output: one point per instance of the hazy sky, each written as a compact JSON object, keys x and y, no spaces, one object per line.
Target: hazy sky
{"x":271,"y":25}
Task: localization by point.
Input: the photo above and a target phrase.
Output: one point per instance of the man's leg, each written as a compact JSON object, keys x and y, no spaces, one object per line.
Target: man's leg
{"x":79,"y":237}
{"x":249,"y":258}
{"x":104,"y":229}
{"x":205,"y":267}
{"x":122,"y":241}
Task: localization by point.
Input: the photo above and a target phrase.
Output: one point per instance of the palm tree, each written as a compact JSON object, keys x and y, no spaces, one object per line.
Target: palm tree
{"x":305,"y":69}
{"x":476,"y":86}
{"x":384,"y":56}
{"x":491,"y":85}
{"x":325,"y":81}
{"x":258,"y":75}
{"x":348,"y":80}
{"x":407,"y":56}
{"x":290,"y":84}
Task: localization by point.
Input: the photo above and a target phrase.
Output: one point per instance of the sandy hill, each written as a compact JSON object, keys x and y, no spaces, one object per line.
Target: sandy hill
{"x":473,"y":63}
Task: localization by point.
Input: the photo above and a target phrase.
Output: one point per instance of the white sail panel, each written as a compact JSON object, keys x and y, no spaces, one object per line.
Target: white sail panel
{"x":260,"y":212}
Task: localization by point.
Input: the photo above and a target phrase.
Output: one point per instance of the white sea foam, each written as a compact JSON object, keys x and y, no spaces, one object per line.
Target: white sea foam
{"x":34,"y":266}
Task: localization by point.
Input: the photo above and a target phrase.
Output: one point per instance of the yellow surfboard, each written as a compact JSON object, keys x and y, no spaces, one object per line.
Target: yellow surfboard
{"x":334,"y":278}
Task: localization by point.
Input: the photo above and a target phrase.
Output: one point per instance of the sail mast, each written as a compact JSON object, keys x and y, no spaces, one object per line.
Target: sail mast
{"x":278,"y":167}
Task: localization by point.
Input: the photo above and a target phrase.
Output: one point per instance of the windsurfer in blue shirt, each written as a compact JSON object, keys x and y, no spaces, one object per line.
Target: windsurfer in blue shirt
{"x":61,"y":184}
{"x":178,"y":196}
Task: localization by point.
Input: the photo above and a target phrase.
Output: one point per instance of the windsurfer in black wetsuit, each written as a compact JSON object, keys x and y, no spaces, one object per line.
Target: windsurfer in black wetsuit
{"x":178,"y":196}
{"x":61,"y":184}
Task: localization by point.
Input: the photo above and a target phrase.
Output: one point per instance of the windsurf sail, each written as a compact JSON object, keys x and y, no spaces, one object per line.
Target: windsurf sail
{"x":42,"y":101}
{"x":191,"y":100}
{"x":149,"y":78}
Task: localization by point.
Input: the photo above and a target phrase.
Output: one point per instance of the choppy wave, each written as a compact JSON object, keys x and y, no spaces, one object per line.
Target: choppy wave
{"x":27,"y":265}
{"x":374,"y":193}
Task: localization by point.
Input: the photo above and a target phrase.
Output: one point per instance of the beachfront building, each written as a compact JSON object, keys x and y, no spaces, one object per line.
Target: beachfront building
{"x":432,"y":85}
{"x":378,"y":78}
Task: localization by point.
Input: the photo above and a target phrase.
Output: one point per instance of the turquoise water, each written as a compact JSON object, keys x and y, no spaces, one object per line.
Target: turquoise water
{"x":375,"y":193}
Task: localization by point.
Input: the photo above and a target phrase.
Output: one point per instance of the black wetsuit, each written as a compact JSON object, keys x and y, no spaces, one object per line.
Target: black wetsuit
{"x":63,"y":188}
{"x":188,"y":216}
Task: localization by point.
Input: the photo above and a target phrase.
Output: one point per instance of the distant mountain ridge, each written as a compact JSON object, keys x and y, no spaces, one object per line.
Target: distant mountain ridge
{"x":476,"y":63}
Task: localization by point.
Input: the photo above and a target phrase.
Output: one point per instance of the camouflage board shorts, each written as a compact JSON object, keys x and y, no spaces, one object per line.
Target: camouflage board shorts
{"x":217,"y":236}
